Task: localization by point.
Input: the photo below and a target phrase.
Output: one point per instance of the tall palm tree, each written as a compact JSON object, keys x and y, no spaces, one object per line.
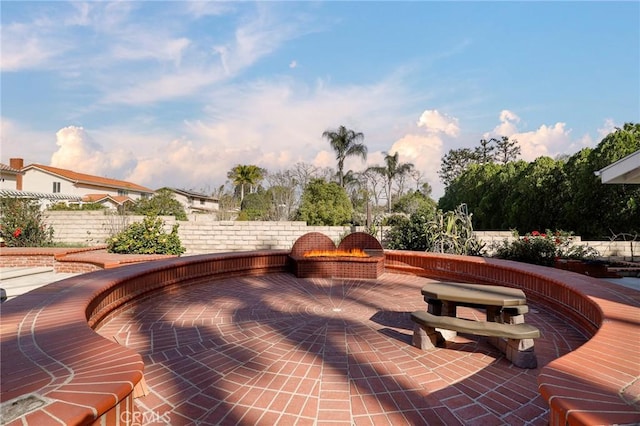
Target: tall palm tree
{"x":242,"y":175}
{"x":392,"y":170}
{"x":345,"y":143}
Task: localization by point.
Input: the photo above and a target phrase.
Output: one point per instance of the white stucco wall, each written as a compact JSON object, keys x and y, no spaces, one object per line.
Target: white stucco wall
{"x":8,"y":182}
{"x":35,"y":180}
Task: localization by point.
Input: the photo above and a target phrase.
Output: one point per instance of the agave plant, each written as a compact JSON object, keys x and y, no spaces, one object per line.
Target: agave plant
{"x":452,"y":232}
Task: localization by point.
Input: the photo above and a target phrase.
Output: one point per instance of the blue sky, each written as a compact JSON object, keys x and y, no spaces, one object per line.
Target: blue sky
{"x":177,"y":93}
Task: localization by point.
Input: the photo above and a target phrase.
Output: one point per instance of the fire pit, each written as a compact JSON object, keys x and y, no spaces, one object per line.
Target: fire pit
{"x":359,"y":255}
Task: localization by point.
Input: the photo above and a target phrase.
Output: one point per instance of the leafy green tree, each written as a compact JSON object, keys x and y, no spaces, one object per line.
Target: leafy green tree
{"x":506,"y":150}
{"x":325,"y":203}
{"x":539,"y":194}
{"x":345,"y":143}
{"x":244,"y":176}
{"x":597,"y":210}
{"x":22,"y":223}
{"x":564,"y":193}
{"x":454,"y":163}
{"x":283,"y":193}
{"x":228,"y":205}
{"x":392,"y":170}
{"x":485,"y":152}
{"x":355,"y":185}
{"x":483,"y":188}
{"x":412,"y":202}
{"x":163,"y":203}
{"x":408,"y":233}
{"x":146,"y":237}
{"x":256,"y":206}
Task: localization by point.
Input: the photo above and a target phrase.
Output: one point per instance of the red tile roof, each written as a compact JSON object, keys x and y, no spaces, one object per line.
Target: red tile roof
{"x":95,"y":198}
{"x":90,"y":179}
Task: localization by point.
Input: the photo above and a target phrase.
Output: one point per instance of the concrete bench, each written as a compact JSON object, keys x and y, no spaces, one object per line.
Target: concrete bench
{"x":518,"y":347}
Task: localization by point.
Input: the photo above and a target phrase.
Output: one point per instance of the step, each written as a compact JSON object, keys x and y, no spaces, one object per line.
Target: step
{"x":11,"y":273}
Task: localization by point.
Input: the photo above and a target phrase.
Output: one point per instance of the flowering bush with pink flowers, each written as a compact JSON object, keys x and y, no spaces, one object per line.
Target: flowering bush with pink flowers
{"x":543,"y":248}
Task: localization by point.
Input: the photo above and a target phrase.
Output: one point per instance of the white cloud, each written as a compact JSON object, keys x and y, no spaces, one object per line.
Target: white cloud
{"x":197,"y":67}
{"x":436,"y":122}
{"x":293,"y":64}
{"x":78,"y":151}
{"x":425,"y":153}
{"x":545,"y":141}
{"x":608,"y":126}
{"x":14,"y":137}
{"x":165,"y":87}
{"x":507,"y":127}
{"x":148,"y":46}
{"x":199,"y":8}
{"x":28,"y":46}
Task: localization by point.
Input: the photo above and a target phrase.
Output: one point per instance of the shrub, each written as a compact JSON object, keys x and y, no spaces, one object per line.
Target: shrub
{"x":543,"y":248}
{"x":163,"y":203}
{"x":408,"y":233}
{"x":22,"y":223}
{"x":146,"y":237}
{"x":441,"y":232}
{"x":76,"y":207}
{"x":325,"y":204}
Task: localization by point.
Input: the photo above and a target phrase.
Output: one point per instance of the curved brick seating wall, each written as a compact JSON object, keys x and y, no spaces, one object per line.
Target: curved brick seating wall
{"x":80,"y":377}
{"x":47,"y":334}
{"x":597,"y":384}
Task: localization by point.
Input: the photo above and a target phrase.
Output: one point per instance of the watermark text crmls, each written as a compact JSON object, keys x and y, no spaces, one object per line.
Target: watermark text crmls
{"x":138,"y":418}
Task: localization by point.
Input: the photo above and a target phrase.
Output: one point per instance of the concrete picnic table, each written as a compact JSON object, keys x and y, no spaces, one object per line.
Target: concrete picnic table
{"x":505,"y":308}
{"x":444,"y":297}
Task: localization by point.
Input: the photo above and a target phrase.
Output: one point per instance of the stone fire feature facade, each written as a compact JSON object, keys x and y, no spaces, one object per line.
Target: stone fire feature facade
{"x":339,"y":266}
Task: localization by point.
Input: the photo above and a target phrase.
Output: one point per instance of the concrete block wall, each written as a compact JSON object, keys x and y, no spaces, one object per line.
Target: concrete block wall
{"x":224,"y":236}
{"x":203,"y":234}
{"x":200,"y":234}
{"x":619,"y":249}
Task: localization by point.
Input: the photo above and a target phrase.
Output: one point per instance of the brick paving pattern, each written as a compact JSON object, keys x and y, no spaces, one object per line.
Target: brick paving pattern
{"x":280,"y":350}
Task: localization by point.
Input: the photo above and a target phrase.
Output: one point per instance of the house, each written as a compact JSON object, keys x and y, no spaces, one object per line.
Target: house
{"x":194,"y":202}
{"x":626,"y":170}
{"x":111,"y":202}
{"x":53,"y":183}
{"x":9,"y":177}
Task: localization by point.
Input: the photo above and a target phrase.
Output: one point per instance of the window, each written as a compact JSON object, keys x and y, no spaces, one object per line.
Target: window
{"x":123,"y":192}
{"x":56,"y":187}
{"x":202,"y":201}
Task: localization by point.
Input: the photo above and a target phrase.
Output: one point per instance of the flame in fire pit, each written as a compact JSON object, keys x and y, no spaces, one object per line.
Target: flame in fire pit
{"x":336,"y":253}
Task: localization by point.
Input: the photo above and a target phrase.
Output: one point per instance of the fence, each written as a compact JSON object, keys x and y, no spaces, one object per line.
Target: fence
{"x":203,"y":234}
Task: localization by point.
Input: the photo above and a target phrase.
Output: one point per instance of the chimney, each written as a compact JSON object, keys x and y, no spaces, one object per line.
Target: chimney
{"x":18,"y":164}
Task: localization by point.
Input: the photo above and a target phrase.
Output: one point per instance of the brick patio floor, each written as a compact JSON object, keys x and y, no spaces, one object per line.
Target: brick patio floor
{"x":280,"y":350}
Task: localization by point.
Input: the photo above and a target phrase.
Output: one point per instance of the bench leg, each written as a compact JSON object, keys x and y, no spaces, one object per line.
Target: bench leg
{"x":507,"y":318}
{"x":520,"y":353}
{"x":449,"y":309}
{"x":426,"y":338}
